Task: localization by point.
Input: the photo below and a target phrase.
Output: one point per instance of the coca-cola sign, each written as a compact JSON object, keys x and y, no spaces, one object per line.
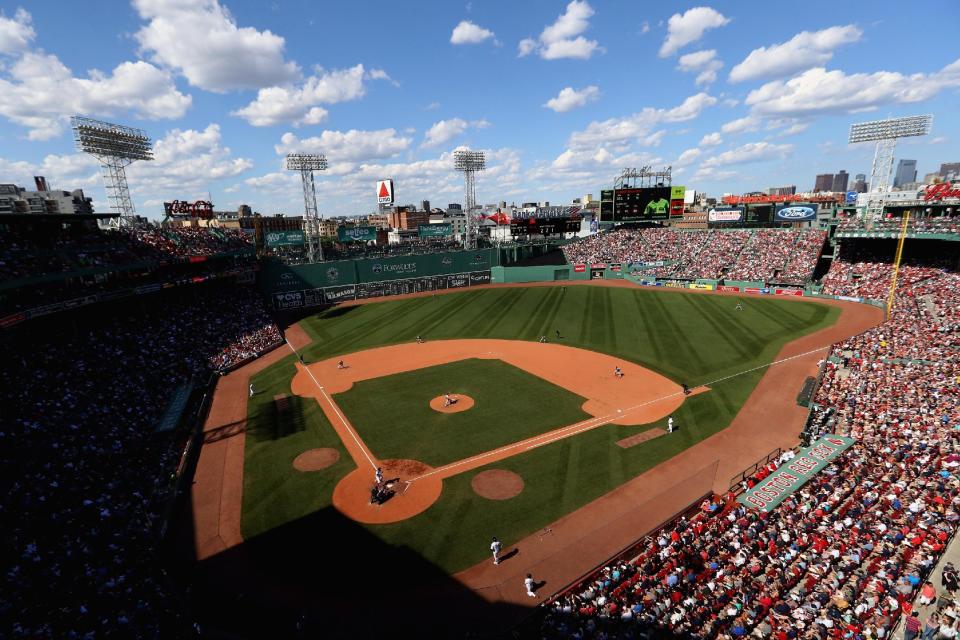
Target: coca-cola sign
{"x":941,"y":191}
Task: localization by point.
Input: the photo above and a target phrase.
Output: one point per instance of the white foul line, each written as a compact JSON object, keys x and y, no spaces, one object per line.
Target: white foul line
{"x":575,"y":429}
{"x":343,"y":418}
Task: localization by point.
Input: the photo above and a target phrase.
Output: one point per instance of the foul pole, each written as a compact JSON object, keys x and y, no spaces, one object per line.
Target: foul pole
{"x":896,"y":262}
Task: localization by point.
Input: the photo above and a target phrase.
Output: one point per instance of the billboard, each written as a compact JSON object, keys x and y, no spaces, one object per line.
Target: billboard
{"x":678,"y":192}
{"x":385,"y":191}
{"x":356,"y":234}
{"x":725,"y":214}
{"x":543,"y":226}
{"x":441,"y":230}
{"x":637,"y":204}
{"x":284,"y":238}
{"x":799,"y":212}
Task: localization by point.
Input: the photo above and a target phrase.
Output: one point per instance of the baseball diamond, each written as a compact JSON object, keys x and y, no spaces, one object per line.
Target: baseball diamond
{"x":511,"y":321}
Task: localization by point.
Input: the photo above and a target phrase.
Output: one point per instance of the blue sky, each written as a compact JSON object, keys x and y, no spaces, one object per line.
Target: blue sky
{"x":736,"y":96}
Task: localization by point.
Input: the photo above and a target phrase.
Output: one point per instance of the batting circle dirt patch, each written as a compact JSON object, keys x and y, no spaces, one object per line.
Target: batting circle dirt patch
{"x":497,"y":484}
{"x":316,"y":459}
{"x":413,"y":493}
{"x":462,"y":404}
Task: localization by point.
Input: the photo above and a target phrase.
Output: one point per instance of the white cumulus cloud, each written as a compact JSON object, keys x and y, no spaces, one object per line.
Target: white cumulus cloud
{"x":563,"y":38}
{"x":820,"y":91}
{"x":570,"y":98}
{"x":469,"y":33}
{"x":443,"y":131}
{"x":711,"y":139}
{"x":201,"y":40}
{"x":747,"y":123}
{"x":16,"y":33}
{"x":347,"y":146}
{"x":298,"y":104}
{"x":685,"y":28}
{"x":704,"y":63}
{"x":40,"y":93}
{"x":639,"y":127}
{"x":750,"y":152}
{"x":802,"y":51}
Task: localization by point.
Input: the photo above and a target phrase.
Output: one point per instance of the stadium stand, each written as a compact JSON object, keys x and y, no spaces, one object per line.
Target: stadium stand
{"x":87,"y":476}
{"x":785,"y":256}
{"x":845,"y":555}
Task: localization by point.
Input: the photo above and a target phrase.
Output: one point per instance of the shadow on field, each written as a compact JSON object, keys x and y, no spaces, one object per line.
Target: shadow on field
{"x":325,"y":576}
{"x":279,"y":419}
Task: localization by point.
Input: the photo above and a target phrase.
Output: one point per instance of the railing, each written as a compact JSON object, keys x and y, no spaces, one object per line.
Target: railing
{"x":735,"y":482}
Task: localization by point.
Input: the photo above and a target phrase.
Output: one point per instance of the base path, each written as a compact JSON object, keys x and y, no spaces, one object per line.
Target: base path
{"x":638,"y":396}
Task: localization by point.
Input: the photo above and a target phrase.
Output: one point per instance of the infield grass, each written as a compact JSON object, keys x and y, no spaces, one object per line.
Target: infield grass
{"x":393,"y":416}
{"x":695,"y":339}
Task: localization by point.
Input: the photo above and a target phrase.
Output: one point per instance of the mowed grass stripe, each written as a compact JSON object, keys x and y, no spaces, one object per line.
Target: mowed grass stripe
{"x":658,"y":329}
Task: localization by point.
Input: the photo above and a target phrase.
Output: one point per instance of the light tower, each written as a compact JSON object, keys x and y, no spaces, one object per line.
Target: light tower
{"x":469,"y":162}
{"x":306,"y":164}
{"x":116,"y":147}
{"x":885,"y":134}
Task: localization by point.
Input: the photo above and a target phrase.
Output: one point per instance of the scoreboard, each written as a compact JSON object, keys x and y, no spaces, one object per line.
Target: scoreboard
{"x":543,"y":226}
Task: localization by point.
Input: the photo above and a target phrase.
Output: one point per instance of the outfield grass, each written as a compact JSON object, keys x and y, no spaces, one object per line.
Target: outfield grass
{"x":690,"y":338}
{"x":393,"y":416}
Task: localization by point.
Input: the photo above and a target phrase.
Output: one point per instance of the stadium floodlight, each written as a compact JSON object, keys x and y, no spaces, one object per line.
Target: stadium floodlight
{"x":116,"y":147}
{"x":306,"y":164}
{"x":885,"y":133}
{"x":469,"y":162}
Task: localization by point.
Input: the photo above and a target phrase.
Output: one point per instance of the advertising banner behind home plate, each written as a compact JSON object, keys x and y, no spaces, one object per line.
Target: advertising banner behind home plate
{"x":795,"y":473}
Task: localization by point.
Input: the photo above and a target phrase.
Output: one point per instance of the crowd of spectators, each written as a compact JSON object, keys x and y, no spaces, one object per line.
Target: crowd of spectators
{"x":771,"y":255}
{"x":947,"y":224}
{"x":29,"y":256}
{"x":858,"y":270}
{"x":87,"y":479}
{"x":845,"y":555}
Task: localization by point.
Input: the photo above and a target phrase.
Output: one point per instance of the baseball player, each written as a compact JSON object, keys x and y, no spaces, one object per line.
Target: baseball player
{"x":558,"y":334}
{"x":251,"y":390}
{"x":617,"y":372}
{"x":379,"y":475}
{"x":419,"y":339}
{"x":447,"y":400}
{"x":495,"y":547}
{"x":528,"y":583}
{"x":340,"y":365}
{"x":739,"y":306}
{"x":670,"y":424}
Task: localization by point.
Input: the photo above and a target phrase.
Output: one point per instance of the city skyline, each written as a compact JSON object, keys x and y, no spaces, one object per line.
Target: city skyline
{"x":731,"y":96}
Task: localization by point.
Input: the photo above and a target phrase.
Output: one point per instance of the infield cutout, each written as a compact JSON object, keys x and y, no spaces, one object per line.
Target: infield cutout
{"x":316,"y":459}
{"x":459,"y":403}
{"x":497,"y":484}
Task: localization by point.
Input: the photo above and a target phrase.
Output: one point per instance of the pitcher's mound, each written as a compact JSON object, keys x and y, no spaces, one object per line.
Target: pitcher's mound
{"x":497,"y":484}
{"x":462,"y":403}
{"x":316,"y":459}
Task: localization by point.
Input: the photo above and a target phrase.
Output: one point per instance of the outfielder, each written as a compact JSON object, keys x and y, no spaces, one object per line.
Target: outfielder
{"x":251,"y":390}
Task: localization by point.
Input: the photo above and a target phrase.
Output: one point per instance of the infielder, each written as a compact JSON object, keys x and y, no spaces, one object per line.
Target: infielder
{"x":670,"y":424}
{"x":340,"y":365}
{"x":617,"y":372}
{"x":528,"y":583}
{"x":495,"y":547}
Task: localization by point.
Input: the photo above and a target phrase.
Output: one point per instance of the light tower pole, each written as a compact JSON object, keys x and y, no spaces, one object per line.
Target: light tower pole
{"x":885,"y":134}
{"x":306,"y":164}
{"x":116,"y":147}
{"x":469,"y":162}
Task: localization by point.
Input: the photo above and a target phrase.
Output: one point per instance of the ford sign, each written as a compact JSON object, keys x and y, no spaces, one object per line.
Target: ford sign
{"x":796,"y":213}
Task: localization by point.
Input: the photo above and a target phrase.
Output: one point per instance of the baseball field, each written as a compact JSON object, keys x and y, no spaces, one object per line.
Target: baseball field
{"x":550,"y":425}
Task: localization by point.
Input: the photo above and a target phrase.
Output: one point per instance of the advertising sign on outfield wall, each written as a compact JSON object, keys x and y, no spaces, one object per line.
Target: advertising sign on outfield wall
{"x":725,"y":214}
{"x":579,"y":268}
{"x":357,"y":234}
{"x":728,"y":288}
{"x":799,"y":212}
{"x":284,"y":238}
{"x":794,"y":474}
{"x":788,"y":292}
{"x":701,"y":287}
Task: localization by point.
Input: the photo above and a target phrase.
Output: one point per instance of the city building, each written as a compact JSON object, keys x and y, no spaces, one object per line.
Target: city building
{"x":824,"y":182}
{"x":14,"y":199}
{"x":425,"y":205}
{"x":378,"y":220}
{"x":906,"y":173}
{"x":860,"y":183}
{"x":932,"y":177}
{"x":840,"y":181}
{"x":782,"y":191}
{"x":404,"y":219}
{"x":950,"y":171}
